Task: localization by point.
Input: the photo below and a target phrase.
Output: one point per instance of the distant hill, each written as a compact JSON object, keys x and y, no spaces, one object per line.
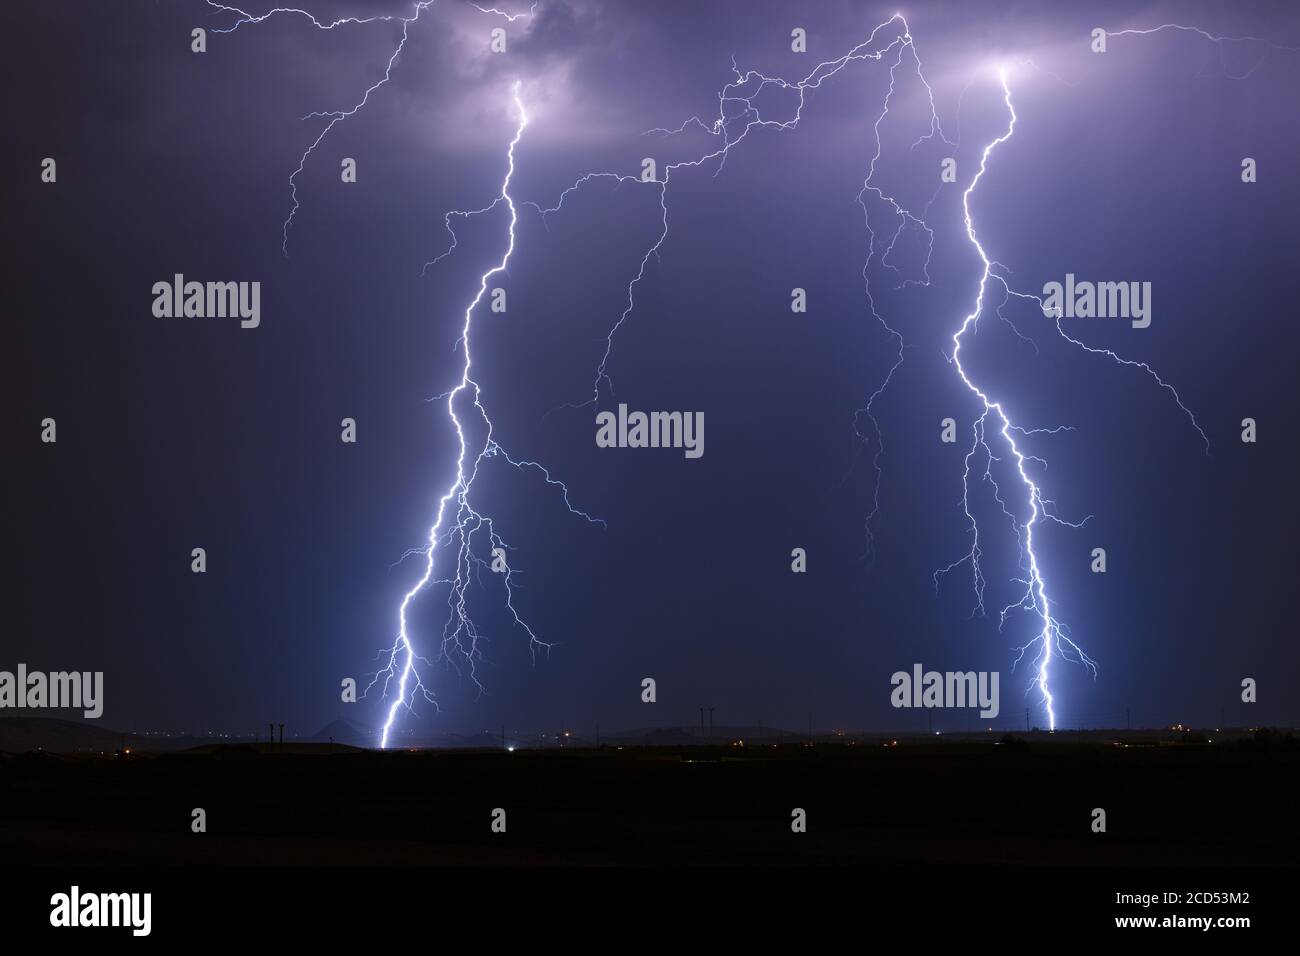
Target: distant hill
{"x":26,"y":734}
{"x":343,"y":732}
{"x":671,"y":736}
{"x":23,"y":734}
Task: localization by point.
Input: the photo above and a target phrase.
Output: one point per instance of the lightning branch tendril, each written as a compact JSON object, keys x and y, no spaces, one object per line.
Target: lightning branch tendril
{"x":334,"y":116}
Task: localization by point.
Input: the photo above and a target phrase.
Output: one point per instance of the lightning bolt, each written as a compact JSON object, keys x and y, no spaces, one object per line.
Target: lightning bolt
{"x":468,"y":521}
{"x":458,"y":521}
{"x":1053,"y":637}
{"x":737,"y":108}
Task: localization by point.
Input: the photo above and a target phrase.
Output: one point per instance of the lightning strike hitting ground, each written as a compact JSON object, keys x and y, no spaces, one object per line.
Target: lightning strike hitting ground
{"x":1053,"y":636}
{"x":460,"y":635}
{"x":458,"y":522}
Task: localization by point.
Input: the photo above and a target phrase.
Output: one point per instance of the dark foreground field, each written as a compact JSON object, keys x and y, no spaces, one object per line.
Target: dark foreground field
{"x":920,"y":802}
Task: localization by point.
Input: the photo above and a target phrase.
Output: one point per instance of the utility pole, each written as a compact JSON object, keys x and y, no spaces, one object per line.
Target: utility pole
{"x":1026,"y":720}
{"x":282,"y":738}
{"x":701,"y":723}
{"x":710,"y":725}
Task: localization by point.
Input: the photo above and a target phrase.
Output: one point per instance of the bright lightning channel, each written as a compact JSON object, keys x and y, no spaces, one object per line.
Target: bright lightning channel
{"x":460,"y":635}
{"x":458,"y":521}
{"x":1052,"y":635}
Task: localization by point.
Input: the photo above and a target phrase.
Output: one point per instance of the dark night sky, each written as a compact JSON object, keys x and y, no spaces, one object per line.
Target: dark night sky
{"x":176,"y":433}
